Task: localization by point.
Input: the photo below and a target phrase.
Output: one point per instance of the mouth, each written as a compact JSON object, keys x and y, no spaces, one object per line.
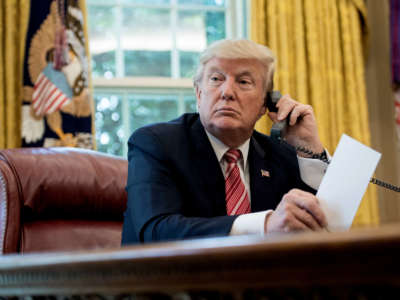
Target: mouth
{"x":226,"y":110}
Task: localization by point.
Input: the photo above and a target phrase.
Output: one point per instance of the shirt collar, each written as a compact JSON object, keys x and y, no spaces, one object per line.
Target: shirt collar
{"x":220,"y":148}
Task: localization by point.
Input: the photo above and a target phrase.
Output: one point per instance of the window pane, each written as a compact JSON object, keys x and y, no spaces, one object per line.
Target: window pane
{"x":102,"y":41}
{"x":146,"y":109}
{"x":196,"y":30}
{"x":146,"y":41}
{"x":215,"y":29}
{"x":110,"y":135}
{"x":145,"y":1}
{"x":203,"y":2}
{"x":90,"y":3}
{"x":190,"y":103}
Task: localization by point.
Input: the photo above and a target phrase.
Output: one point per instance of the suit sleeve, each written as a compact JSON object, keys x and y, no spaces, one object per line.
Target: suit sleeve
{"x":155,"y":208}
{"x":295,"y":166}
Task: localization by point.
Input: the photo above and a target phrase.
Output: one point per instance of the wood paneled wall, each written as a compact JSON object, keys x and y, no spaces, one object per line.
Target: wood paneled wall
{"x":381,"y":107}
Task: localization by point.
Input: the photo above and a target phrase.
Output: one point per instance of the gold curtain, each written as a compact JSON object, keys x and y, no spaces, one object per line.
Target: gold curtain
{"x":320,"y":61}
{"x":14,"y":17}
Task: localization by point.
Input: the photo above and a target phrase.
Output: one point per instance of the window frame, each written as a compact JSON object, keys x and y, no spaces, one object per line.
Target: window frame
{"x":236,"y":19}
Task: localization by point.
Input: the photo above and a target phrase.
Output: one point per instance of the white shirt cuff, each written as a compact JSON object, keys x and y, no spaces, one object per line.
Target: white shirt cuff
{"x":312,"y":170}
{"x":252,"y":223}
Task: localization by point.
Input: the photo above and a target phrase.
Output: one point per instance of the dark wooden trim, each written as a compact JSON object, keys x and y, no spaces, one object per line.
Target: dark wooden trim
{"x":360,"y":257}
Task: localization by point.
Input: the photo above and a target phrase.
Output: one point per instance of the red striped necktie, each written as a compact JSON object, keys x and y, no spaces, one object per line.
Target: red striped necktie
{"x":237,"y":199}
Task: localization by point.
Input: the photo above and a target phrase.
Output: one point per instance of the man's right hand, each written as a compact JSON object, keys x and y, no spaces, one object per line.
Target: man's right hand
{"x":298,"y":211}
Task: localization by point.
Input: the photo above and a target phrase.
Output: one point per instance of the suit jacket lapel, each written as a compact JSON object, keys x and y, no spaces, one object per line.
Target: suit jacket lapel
{"x":262,"y":171}
{"x":209,"y":169}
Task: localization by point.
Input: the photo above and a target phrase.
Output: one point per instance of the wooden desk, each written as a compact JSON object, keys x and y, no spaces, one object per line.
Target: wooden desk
{"x":360,"y":261}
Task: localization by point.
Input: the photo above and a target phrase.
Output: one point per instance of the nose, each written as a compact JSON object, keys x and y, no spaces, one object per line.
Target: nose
{"x":227,"y":89}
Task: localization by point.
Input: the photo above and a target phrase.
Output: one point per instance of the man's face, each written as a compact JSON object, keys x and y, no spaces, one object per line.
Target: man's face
{"x":230,"y":97}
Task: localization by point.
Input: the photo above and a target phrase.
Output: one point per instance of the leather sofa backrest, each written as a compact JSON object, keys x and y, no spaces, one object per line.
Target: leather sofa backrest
{"x":60,"y":199}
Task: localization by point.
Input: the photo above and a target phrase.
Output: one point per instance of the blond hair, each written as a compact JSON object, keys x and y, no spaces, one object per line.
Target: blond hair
{"x":236,"y":49}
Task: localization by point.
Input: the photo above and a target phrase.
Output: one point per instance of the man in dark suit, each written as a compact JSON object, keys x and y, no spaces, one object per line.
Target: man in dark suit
{"x":211,"y":174}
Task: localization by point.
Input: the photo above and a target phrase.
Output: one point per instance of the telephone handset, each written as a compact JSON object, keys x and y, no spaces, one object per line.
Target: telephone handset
{"x":278,"y":128}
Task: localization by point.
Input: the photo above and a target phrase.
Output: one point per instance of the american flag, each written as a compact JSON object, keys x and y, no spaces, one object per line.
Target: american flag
{"x":50,"y":92}
{"x":265,"y":173}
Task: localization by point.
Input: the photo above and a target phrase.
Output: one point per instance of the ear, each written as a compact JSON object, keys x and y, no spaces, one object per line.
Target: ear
{"x":262,"y":112}
{"x":198,"y":95}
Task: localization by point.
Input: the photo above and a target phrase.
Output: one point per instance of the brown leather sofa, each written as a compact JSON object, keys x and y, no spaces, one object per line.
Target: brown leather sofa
{"x":60,"y":199}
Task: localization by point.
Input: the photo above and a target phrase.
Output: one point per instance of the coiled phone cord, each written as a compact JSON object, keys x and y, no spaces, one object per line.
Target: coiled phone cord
{"x":322,"y":156}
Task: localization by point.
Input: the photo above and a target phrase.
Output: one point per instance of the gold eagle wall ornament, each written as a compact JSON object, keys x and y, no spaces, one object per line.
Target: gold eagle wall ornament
{"x":54,"y":91}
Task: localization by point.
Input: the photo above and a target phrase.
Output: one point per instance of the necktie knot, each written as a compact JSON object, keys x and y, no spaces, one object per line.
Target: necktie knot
{"x":232,"y":155}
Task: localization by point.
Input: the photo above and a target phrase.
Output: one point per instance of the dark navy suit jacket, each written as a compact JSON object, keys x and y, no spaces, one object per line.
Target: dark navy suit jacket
{"x":176,"y":188}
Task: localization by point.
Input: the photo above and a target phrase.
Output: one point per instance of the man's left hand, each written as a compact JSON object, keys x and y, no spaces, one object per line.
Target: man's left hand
{"x":302,"y":126}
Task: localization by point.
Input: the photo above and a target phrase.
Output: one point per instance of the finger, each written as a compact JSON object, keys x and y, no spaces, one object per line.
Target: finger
{"x":283,"y":220}
{"x":308,"y":202}
{"x":295,"y":225}
{"x":285,"y":106}
{"x":298,"y":112}
{"x":313,"y":208}
{"x":306,"y":218}
{"x":273,"y":116}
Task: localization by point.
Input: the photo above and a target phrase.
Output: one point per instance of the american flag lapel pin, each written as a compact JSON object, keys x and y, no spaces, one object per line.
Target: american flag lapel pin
{"x":265,"y":173}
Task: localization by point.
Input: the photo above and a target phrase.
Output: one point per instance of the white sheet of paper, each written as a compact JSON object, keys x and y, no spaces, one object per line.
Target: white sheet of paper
{"x":345,"y":182}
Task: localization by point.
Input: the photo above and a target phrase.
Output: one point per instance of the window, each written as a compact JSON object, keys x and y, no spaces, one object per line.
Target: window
{"x":144,"y":54}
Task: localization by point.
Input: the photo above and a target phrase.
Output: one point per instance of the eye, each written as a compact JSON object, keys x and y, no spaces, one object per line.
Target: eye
{"x":216,"y":78}
{"x":245,"y":82}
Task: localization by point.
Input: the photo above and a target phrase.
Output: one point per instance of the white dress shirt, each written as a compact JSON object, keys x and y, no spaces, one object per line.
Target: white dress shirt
{"x":311,"y":172}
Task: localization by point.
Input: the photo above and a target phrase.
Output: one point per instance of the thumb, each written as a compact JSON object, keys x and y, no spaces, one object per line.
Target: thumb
{"x":273,"y":116}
